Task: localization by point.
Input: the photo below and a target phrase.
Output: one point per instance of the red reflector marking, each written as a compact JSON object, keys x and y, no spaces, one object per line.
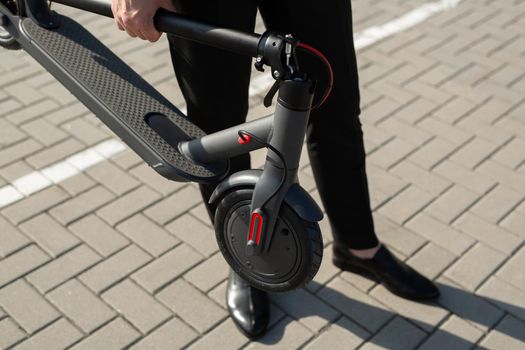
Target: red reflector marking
{"x":256,"y":217}
{"x":246,"y":139}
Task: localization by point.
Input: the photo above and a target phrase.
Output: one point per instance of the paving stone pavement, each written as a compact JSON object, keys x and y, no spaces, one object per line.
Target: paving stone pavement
{"x":117,"y":257}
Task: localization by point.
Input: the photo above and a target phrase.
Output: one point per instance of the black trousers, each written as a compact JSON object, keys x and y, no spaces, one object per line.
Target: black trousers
{"x":215,"y":86}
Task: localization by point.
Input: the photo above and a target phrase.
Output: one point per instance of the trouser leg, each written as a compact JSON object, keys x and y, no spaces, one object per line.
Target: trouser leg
{"x":214,"y":82}
{"x":334,"y":135}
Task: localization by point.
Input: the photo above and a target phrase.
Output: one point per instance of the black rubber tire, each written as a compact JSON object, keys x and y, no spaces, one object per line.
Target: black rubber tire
{"x":7,"y":41}
{"x":308,"y":233}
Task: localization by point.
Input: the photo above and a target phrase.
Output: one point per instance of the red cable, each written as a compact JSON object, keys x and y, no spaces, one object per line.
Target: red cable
{"x":330,"y":71}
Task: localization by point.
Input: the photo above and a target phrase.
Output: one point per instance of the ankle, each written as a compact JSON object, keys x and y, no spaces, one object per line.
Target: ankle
{"x":368,"y":253}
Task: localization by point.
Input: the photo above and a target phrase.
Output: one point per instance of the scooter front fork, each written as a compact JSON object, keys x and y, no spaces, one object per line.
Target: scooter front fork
{"x":282,"y":162}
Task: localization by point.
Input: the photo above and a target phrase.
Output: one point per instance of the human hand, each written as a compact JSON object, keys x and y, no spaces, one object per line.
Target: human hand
{"x":136,"y":16}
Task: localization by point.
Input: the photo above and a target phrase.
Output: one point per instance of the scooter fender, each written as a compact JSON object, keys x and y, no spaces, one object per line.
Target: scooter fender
{"x":296,"y":197}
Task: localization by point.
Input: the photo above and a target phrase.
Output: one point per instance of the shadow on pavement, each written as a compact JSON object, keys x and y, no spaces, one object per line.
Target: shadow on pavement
{"x":470,"y":307}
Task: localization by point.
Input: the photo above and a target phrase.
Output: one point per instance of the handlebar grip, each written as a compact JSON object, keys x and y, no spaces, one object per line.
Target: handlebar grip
{"x":184,"y":27}
{"x":208,"y":34}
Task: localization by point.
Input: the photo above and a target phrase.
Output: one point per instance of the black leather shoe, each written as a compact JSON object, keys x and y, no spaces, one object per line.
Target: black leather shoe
{"x":248,"y":307}
{"x":394,"y":274}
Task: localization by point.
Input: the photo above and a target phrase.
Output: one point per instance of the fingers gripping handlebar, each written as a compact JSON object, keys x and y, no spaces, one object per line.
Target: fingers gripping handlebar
{"x":268,"y":48}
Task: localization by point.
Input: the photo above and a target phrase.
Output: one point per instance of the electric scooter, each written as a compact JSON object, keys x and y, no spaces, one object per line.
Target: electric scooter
{"x":266,"y":224}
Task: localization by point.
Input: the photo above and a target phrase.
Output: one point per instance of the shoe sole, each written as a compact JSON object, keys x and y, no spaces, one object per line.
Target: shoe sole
{"x":246,"y":334}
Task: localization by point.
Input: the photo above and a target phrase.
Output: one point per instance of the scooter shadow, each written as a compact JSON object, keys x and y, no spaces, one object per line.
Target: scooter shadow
{"x":364,"y":320}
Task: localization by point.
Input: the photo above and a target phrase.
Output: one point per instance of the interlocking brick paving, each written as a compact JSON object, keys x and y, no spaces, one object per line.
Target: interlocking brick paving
{"x":117,"y":257}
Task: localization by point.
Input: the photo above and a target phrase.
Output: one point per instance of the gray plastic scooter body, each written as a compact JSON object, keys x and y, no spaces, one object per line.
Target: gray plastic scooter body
{"x":296,"y":197}
{"x":144,"y":119}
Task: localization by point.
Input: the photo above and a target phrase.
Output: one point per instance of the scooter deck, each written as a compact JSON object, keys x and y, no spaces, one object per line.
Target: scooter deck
{"x":144,"y":119}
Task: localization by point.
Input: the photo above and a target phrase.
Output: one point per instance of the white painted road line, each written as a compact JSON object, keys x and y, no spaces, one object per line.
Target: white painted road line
{"x":38,"y":180}
{"x":53,"y":174}
{"x":374,"y":34}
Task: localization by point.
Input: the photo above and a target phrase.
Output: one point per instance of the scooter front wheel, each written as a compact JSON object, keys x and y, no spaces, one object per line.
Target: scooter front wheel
{"x":294,"y":255}
{"x":7,"y":41}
